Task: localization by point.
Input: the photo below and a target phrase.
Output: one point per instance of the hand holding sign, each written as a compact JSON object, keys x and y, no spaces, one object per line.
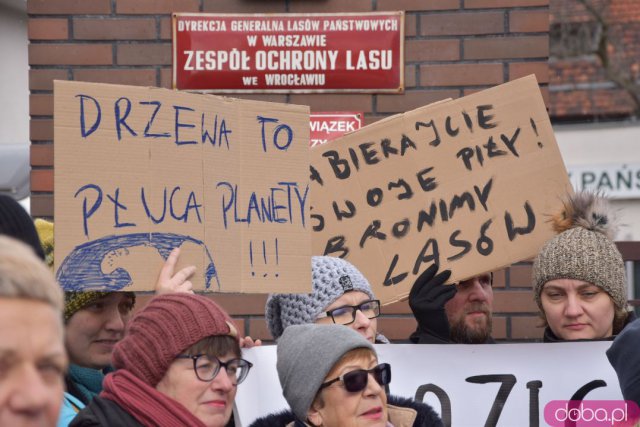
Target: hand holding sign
{"x":427,"y":298}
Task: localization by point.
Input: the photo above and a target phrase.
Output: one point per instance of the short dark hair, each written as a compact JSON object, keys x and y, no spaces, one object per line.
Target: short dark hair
{"x":217,"y":346}
{"x":15,"y":222}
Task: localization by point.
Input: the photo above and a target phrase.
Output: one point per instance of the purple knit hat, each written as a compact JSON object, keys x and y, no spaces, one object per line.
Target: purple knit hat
{"x":166,"y":327}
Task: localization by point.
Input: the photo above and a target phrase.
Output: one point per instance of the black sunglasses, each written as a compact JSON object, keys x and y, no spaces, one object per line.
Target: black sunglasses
{"x":357,"y":380}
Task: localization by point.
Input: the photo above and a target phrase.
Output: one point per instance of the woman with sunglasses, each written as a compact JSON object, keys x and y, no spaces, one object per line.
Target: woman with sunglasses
{"x":331,"y":377}
{"x":179,"y":365}
{"x":340,"y":294}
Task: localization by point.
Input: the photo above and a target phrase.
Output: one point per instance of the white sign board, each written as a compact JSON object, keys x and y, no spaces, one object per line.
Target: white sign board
{"x":617,"y":181}
{"x":501,"y":385}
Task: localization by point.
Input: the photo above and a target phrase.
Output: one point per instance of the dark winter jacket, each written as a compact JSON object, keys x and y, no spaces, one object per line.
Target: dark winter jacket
{"x":624,"y":356}
{"x":421,"y":336}
{"x":403,"y":412}
{"x":549,"y":336}
{"x":103,"y":412}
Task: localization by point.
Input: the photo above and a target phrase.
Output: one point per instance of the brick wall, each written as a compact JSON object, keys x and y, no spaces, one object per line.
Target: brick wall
{"x":580,"y":89}
{"x":452,"y":48}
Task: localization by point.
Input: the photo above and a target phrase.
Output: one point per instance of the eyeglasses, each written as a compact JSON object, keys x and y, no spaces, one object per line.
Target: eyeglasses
{"x":347,"y":313}
{"x":207,"y":367}
{"x":357,"y":380}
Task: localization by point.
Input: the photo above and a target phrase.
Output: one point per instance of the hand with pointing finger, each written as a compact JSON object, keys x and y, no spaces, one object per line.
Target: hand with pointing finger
{"x":169,"y":282}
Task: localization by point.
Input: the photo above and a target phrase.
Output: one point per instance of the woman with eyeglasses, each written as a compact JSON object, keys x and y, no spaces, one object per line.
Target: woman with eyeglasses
{"x":331,"y":377}
{"x":179,"y":365}
{"x":340,"y":294}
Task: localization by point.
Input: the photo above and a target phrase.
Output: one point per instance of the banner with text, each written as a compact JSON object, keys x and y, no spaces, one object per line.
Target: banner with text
{"x":470,"y":385}
{"x":320,"y":52}
{"x":328,"y":125}
{"x":139,"y":171}
{"x":464,"y":183}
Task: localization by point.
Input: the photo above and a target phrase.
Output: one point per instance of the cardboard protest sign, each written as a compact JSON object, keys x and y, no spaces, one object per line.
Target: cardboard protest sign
{"x":472,"y":385}
{"x":463,"y":183}
{"x":139,"y":171}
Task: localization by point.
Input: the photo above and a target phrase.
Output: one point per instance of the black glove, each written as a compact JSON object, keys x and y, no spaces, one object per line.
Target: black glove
{"x":427,"y":298}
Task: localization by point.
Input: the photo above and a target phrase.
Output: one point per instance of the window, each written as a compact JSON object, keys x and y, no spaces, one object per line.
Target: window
{"x":574,"y":39}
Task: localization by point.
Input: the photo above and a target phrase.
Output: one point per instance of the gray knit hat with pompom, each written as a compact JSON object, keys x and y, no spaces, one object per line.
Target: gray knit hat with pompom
{"x":331,"y":278}
{"x":584,"y":248}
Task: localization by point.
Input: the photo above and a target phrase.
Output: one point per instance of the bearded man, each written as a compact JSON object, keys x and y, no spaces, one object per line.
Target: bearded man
{"x":458,"y":313}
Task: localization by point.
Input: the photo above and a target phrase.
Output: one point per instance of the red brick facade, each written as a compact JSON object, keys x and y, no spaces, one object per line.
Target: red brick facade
{"x":452,"y":48}
{"x":580,"y":88}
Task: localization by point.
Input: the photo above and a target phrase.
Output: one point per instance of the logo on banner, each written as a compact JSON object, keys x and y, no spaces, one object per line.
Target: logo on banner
{"x":591,"y":413}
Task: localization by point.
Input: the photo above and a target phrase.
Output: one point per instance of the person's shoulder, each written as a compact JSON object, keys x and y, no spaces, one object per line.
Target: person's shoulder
{"x":626,"y":341}
{"x":549,"y":336}
{"x":625,"y":360}
{"x":103,"y":412}
{"x":88,"y":416}
{"x":630,"y":322}
{"x":277,"y":419}
{"x":425,"y":337}
{"x":69,"y":409}
{"x":425,"y":415}
{"x":381,"y":339}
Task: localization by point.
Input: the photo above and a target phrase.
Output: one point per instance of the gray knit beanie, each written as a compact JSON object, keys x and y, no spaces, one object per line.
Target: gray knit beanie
{"x":306,"y":354}
{"x":583,"y":249}
{"x":331,"y":278}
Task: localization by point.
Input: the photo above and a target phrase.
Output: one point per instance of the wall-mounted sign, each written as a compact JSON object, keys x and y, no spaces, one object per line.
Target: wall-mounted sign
{"x":327,"y":126}
{"x":617,"y":181}
{"x":347,"y":52}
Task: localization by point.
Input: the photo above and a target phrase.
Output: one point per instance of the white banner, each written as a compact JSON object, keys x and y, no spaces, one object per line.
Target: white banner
{"x":469,"y":385}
